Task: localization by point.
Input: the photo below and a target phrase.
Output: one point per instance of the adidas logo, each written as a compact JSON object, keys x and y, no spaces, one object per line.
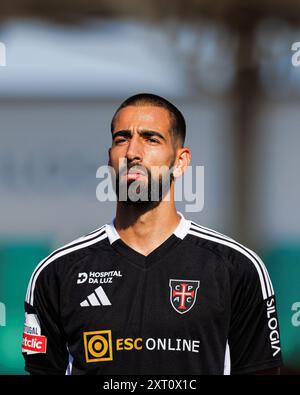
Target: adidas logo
{"x":97,"y":298}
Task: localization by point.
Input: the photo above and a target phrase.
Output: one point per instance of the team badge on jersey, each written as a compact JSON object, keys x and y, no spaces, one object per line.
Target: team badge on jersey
{"x":183,"y":294}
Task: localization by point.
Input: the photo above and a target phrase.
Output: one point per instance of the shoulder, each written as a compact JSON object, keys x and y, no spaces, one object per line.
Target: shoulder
{"x":67,"y":254}
{"x":242,"y":261}
{"x":229,"y":247}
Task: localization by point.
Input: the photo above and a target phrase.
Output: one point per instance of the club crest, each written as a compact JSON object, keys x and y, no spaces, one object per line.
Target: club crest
{"x":183,"y":294}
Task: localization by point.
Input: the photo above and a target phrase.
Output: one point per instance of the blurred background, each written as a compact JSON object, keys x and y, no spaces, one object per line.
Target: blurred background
{"x":228,"y":65}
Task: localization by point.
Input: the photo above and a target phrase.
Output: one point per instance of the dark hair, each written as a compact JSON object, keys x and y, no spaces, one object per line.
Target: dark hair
{"x":178,"y":126}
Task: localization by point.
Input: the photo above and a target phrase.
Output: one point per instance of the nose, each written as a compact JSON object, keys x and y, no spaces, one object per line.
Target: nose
{"x":134,"y":149}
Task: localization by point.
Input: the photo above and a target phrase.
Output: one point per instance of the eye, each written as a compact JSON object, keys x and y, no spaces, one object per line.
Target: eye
{"x":152,"y":140}
{"x":120,"y":140}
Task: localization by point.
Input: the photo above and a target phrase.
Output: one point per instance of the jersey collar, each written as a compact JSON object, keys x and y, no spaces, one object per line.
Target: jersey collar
{"x":180,"y":231}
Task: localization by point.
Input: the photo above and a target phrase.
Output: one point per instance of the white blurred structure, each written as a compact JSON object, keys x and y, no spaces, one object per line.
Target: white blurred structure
{"x":103,"y":59}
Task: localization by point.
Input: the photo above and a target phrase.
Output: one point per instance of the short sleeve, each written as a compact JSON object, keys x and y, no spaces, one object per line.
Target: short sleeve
{"x":44,"y":344}
{"x":254,"y":337}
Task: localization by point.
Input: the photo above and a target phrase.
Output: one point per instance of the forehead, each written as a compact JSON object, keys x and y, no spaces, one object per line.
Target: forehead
{"x":152,"y":117}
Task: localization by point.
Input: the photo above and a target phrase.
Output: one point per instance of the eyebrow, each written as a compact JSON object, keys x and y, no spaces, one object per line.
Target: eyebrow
{"x":143,"y":133}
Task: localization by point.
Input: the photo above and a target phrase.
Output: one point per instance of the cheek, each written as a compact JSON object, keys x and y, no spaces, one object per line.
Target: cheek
{"x":117,"y":152}
{"x":116,"y":159}
{"x":158,"y":157}
{"x":159,"y":163}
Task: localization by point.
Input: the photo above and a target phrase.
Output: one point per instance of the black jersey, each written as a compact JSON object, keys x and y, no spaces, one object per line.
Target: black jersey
{"x":200,"y":303}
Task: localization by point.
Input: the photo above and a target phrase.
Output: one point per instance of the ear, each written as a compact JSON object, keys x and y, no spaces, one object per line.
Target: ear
{"x":184,"y":157}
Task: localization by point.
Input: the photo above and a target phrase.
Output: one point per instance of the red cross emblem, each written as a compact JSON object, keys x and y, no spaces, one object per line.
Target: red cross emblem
{"x":183,"y":294}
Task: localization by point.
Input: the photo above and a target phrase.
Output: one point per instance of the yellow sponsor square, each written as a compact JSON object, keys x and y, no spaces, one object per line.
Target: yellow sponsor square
{"x":98,"y":346}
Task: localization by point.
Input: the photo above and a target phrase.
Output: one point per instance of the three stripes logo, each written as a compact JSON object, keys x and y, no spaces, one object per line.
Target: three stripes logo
{"x":96,"y":298}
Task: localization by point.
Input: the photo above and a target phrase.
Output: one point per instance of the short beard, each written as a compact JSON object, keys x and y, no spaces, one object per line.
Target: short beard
{"x":144,"y":194}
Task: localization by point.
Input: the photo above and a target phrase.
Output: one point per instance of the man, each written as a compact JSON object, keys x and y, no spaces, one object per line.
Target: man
{"x":151,"y":292}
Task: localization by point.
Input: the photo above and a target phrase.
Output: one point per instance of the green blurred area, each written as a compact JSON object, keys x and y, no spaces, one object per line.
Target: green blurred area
{"x":283,"y":264}
{"x":18,"y":260}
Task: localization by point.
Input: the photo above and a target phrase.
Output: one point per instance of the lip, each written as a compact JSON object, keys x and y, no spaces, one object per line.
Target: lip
{"x":134,"y":174}
{"x":135,"y":170}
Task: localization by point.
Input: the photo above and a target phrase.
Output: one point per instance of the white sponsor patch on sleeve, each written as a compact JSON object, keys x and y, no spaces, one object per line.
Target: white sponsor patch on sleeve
{"x":33,"y":342}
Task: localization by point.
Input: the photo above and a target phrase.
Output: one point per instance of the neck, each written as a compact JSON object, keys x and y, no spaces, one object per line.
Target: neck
{"x":137,"y":217}
{"x":145,"y":227}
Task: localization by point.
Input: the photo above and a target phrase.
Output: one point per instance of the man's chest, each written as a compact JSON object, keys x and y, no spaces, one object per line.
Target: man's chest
{"x":172,"y":297}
